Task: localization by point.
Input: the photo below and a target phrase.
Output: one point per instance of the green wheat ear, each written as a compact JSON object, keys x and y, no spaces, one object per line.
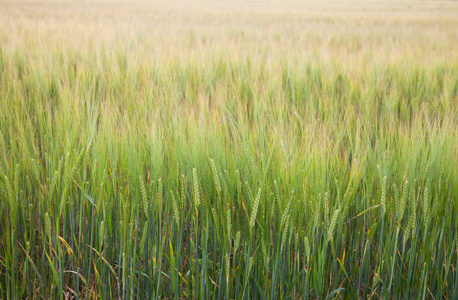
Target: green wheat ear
{"x":196,"y":188}
{"x":16,"y":181}
{"x":316,"y":213}
{"x":228,"y":269}
{"x":249,"y":192}
{"x":229,"y":225}
{"x":101,"y":234}
{"x":277,"y":193}
{"x":144,"y":235}
{"x":272,"y":203}
{"x":9,"y":192}
{"x":183,"y":191}
{"x":425,"y":204}
{"x":307,"y":248}
{"x":284,"y":153}
{"x":403,"y":201}
{"x":159,"y":194}
{"x":239,"y":184}
{"x":372,"y":231}
{"x":333,"y":224}
{"x":237,"y":242}
{"x":264,"y":252}
{"x":48,"y":226}
{"x":176,"y":214}
{"x":397,"y":202}
{"x":286,"y":211}
{"x":124,"y":267}
{"x":383,"y":197}
{"x":35,"y":170}
{"x":215,"y":177}
{"x":326,"y":206}
{"x":255,"y":209}
{"x":52,"y":187}
{"x":144,"y":196}
{"x":63,"y":202}
{"x":285,"y":232}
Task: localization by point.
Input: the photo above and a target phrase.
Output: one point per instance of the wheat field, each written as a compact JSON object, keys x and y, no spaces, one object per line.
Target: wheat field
{"x":228,"y":149}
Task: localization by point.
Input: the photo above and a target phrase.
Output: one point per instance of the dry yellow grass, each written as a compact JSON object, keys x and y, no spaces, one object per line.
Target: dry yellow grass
{"x":348,"y":29}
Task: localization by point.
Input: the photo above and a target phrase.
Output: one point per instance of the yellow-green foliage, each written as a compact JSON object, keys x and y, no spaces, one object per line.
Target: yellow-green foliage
{"x":228,"y":149}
